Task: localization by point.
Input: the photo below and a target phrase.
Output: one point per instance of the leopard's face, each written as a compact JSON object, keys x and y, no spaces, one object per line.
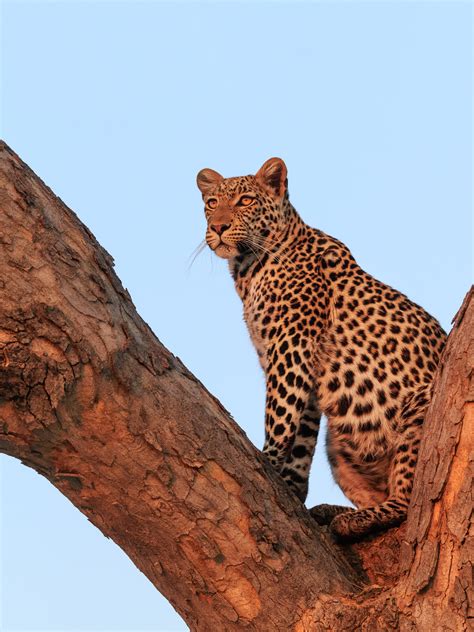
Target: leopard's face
{"x":244,"y":214}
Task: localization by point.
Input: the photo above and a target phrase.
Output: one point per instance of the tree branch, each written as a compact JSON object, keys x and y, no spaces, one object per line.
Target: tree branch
{"x":91,"y":399}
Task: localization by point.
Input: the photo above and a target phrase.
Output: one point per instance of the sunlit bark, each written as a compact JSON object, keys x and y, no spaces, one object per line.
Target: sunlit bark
{"x":92,"y":400}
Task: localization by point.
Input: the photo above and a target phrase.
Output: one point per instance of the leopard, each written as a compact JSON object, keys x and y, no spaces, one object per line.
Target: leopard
{"x":332,"y":340}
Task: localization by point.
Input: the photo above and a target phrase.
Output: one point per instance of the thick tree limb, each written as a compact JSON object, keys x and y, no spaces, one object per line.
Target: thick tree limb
{"x":433,"y":586}
{"x":91,"y":399}
{"x":438,"y":552}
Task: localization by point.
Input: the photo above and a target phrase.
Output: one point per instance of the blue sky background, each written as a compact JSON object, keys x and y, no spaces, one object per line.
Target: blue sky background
{"x":118,"y":105}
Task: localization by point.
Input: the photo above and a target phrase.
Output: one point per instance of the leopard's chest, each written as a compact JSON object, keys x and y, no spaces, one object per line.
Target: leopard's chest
{"x":261,"y":315}
{"x":279,"y":303}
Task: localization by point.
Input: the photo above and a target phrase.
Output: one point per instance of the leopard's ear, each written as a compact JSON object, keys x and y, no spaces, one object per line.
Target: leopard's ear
{"x":208,"y":179}
{"x":273,"y":175}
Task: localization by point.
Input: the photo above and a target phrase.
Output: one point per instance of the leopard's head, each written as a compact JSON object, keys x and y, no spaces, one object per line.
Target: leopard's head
{"x":247,"y":213}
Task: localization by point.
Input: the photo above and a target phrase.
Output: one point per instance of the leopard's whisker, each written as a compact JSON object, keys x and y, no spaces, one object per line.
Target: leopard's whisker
{"x":195,"y":253}
{"x":260,"y":244}
{"x":252,"y":247}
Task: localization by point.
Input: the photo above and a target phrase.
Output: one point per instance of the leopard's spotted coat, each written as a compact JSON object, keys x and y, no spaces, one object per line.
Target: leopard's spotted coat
{"x":331,"y":339}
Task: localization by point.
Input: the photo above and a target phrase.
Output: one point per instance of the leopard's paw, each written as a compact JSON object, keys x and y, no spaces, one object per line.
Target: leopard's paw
{"x":352,"y":525}
{"x":324,"y":514}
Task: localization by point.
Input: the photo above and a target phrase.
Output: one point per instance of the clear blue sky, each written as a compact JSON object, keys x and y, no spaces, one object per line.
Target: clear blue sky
{"x":118,"y":105}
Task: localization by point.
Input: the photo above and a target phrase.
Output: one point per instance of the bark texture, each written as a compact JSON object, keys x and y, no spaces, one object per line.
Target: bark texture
{"x":92,"y":400}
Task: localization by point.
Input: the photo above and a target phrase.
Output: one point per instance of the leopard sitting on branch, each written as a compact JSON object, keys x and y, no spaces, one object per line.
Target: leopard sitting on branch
{"x":331,"y":339}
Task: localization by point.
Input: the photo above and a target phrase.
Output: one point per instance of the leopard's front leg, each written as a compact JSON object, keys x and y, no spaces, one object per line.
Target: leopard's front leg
{"x":291,"y":415}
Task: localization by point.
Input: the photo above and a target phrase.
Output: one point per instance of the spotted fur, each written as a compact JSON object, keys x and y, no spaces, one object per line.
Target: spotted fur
{"x":331,"y":339}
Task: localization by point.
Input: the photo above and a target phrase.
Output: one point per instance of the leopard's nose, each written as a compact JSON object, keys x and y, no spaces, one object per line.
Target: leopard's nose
{"x":219,"y":228}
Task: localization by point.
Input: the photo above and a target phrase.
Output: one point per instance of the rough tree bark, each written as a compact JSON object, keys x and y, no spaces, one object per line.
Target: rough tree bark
{"x":92,"y":400}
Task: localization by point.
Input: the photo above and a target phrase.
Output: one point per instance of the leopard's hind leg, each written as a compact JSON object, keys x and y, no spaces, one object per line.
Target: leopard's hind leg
{"x":393,"y":510}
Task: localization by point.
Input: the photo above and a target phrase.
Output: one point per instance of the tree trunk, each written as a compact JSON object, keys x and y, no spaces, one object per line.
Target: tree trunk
{"x":92,"y":400}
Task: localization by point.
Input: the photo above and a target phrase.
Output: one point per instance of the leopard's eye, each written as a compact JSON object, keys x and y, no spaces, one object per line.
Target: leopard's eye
{"x":246,"y":200}
{"x":212,"y":203}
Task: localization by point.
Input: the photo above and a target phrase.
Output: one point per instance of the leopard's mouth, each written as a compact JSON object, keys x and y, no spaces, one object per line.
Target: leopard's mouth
{"x":225,"y":251}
